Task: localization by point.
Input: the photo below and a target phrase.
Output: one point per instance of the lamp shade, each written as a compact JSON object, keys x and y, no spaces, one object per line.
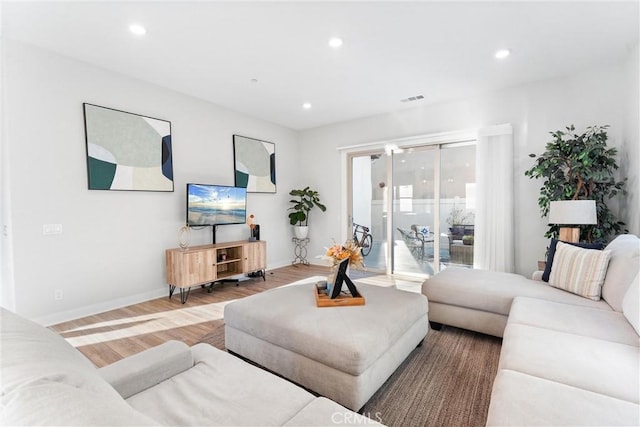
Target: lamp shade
{"x":573,"y":212}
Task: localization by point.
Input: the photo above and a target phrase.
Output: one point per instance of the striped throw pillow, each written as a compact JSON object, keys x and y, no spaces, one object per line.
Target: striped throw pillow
{"x":579,"y":271}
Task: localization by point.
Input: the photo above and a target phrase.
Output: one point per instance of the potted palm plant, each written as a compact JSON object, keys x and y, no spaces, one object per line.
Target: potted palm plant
{"x":306,"y":200}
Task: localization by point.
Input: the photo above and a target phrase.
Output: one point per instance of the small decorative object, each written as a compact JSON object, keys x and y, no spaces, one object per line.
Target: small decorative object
{"x":332,"y":295}
{"x":254,"y":228}
{"x":126,"y":151}
{"x":184,"y":237}
{"x":337,"y":255}
{"x":299,"y":218}
{"x":255,"y":164}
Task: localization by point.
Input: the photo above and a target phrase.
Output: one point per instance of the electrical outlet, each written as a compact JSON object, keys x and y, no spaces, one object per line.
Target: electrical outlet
{"x":48,"y":229}
{"x":57,"y":294}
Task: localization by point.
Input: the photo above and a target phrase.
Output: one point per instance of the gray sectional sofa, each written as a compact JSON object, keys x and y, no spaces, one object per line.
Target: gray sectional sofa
{"x":565,"y":359}
{"x":45,"y":381}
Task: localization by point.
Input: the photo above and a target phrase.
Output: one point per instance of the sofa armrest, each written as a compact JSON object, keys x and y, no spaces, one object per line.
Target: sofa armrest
{"x":537,"y":275}
{"x":141,"y":371}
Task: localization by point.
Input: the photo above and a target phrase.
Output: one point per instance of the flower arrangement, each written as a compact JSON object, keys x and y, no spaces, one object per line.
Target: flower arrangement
{"x":350,"y":249}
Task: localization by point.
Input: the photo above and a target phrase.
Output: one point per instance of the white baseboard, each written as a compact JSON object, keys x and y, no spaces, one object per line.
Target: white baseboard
{"x":65,"y":316}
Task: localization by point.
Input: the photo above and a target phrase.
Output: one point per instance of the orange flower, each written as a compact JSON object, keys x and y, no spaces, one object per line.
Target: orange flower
{"x":350,"y":249}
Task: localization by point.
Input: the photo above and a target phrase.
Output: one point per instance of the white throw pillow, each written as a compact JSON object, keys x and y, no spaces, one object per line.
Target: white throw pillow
{"x":579,"y":271}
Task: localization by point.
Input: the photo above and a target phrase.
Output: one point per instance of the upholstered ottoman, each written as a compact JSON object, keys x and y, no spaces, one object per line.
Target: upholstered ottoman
{"x":343,"y":353}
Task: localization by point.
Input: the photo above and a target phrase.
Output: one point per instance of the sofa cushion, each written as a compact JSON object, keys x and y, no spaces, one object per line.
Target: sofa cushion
{"x":607,"y":325}
{"x":579,"y":271}
{"x":600,"y":366}
{"x":51,"y":403}
{"x":323,"y":412}
{"x":235,"y":394}
{"x":493,"y":291}
{"x":519,"y":399}
{"x":623,"y":267}
{"x":552,"y":251}
{"x":142,"y":370}
{"x":631,"y":304}
{"x":45,"y":381}
{"x":32,"y":353}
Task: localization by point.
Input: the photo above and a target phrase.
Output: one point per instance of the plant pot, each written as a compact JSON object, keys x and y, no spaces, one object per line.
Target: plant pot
{"x":301,"y":231}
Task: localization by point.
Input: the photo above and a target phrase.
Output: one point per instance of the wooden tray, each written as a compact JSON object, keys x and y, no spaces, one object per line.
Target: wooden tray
{"x":323,"y":300}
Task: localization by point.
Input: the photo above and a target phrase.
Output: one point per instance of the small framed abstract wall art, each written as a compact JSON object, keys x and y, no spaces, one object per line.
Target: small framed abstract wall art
{"x":127,"y":151}
{"x":255,"y":164}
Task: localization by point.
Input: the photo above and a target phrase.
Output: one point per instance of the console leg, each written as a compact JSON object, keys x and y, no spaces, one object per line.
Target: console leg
{"x":171,"y":289}
{"x":184,"y":295}
{"x":435,"y":325}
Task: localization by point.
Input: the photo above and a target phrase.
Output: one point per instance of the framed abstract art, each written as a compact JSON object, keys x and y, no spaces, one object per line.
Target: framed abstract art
{"x":127,"y":151}
{"x":255,"y":164}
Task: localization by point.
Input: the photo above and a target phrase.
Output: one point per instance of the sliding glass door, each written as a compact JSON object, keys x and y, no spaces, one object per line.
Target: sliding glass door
{"x":368,"y":207}
{"x":414,"y":209}
{"x":418,"y":204}
{"x":457,"y":204}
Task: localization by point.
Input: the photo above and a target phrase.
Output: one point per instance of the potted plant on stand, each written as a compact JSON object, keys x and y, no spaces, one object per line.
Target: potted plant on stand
{"x":299,"y":217}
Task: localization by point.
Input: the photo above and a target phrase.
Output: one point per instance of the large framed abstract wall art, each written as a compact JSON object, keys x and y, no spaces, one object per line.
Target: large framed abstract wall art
{"x":255,"y":164}
{"x":127,"y":151}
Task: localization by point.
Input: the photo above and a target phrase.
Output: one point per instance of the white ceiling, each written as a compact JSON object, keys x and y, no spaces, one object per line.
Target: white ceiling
{"x":392,"y":50}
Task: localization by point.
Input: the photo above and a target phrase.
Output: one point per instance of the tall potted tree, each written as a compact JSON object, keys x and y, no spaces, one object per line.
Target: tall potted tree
{"x":580,"y":167}
{"x":306,"y":200}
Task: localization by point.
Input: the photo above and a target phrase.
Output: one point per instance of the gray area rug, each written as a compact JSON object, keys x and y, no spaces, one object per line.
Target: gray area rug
{"x":445,"y":382}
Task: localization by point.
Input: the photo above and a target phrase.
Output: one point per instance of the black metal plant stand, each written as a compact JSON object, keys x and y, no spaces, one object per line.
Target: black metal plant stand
{"x":300,"y":251}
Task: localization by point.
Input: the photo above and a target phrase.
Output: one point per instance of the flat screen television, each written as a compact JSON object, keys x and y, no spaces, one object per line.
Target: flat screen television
{"x":215,"y":205}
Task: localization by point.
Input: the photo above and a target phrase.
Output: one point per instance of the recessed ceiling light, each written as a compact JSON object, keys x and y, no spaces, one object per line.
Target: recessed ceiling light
{"x":335,"y":42}
{"x":503,"y":53}
{"x":306,"y":105}
{"x":137,"y":29}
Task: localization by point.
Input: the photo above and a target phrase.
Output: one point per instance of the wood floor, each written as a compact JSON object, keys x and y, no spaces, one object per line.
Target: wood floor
{"x":108,"y":337}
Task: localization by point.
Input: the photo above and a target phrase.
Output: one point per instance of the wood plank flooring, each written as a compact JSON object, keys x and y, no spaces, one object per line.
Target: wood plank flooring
{"x":110,"y":336}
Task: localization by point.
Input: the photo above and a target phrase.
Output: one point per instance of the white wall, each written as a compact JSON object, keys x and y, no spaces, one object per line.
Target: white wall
{"x":599,"y":96}
{"x":111,"y":252}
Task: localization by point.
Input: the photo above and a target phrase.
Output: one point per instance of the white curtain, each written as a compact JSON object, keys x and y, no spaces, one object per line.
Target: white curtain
{"x":494,"y":229}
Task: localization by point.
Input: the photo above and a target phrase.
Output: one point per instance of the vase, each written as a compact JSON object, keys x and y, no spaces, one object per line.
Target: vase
{"x":300,"y":231}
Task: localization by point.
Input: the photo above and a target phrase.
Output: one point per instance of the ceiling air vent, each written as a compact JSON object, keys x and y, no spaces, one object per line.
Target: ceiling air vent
{"x":412,"y":98}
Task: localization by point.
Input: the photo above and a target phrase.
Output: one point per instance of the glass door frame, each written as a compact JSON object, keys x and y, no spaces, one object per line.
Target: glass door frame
{"x":463,"y":137}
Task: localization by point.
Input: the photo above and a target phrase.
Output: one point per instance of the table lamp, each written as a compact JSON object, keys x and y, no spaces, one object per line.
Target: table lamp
{"x":572,"y":212}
